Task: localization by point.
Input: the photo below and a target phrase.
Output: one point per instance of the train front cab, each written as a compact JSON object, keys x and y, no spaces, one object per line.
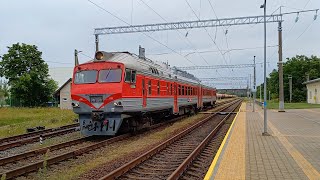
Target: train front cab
{"x":96,"y":93}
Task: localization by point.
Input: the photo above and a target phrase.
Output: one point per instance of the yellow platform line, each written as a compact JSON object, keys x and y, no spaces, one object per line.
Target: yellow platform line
{"x":304,"y":164}
{"x":311,"y":111}
{"x":217,"y":156}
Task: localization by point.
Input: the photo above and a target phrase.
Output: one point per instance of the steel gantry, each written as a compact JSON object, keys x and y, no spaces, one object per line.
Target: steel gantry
{"x":187,"y":24}
{"x":191,"y":24}
{"x":210,"y":23}
{"x":224,"y":78}
{"x":217,"y":66}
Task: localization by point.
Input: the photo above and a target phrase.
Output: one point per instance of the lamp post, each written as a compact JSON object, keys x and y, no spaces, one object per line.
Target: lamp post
{"x":254,"y":83}
{"x":265,"y":129}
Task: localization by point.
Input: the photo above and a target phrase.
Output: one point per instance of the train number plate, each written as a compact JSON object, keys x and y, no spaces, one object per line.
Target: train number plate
{"x":96,"y":99}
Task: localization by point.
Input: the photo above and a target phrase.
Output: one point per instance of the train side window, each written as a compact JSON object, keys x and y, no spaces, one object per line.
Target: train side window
{"x":158,"y":87}
{"x":130,"y":76}
{"x":143,"y":87}
{"x":149,"y":87}
{"x":133,"y":76}
{"x":179,"y":90}
{"x":183,"y":90}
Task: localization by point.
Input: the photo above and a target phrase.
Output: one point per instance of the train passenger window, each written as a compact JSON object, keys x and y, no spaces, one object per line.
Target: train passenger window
{"x":179,"y":90}
{"x":133,"y":76}
{"x":183,"y":92}
{"x":85,"y":77}
{"x":158,"y":87}
{"x":175,"y":89}
{"x":130,"y":76}
{"x":143,"y":87}
{"x":110,"y":75}
{"x":149,"y":87}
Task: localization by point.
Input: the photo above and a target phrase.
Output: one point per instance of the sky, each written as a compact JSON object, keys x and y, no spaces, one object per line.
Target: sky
{"x":58,"y":27}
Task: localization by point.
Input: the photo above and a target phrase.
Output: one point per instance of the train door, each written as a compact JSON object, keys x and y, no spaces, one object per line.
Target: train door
{"x":175,"y":100}
{"x":200,"y":96}
{"x":144,"y":93}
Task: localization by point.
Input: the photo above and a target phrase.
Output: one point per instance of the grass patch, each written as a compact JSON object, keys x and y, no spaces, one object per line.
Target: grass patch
{"x":14,"y":121}
{"x":275,"y":105}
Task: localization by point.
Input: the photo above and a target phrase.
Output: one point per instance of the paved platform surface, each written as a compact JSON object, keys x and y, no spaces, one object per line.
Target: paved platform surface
{"x":292,"y":151}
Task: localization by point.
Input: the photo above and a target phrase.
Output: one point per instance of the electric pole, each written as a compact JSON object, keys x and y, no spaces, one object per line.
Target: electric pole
{"x":260,"y":93}
{"x":250,"y":89}
{"x":76,"y":60}
{"x":281,"y":95}
{"x":254,"y":82}
{"x":97,"y":42}
{"x":269,"y":96}
{"x":265,"y":128}
{"x":290,"y":87}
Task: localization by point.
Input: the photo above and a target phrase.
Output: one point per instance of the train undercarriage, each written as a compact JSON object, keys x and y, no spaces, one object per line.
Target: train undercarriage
{"x":110,"y":124}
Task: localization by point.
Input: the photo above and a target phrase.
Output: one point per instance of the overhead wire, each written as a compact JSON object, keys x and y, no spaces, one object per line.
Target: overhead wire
{"x":292,"y":27}
{"x":215,"y":51}
{"x":207,"y":32}
{"x":180,"y":33}
{"x":113,"y":15}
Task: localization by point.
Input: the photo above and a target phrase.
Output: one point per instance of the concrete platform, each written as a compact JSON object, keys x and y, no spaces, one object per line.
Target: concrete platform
{"x":292,"y":151}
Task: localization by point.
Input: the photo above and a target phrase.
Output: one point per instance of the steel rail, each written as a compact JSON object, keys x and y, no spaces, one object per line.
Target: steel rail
{"x":26,"y":135}
{"x":186,"y":163}
{"x":10,"y":159}
{"x":130,"y":165}
{"x":36,"y":138}
{"x":35,"y":166}
{"x":39,"y":164}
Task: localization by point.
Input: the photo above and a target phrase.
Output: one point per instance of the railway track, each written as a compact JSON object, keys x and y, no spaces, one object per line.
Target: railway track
{"x":19,"y":164}
{"x":19,"y":140}
{"x":171,"y":158}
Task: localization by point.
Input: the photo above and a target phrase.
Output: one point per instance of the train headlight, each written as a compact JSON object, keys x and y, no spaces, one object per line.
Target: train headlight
{"x":99,"y":55}
{"x":75,"y":104}
{"x":119,"y":103}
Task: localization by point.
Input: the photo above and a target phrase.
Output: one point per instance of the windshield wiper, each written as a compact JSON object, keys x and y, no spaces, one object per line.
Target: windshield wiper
{"x":108,"y":73}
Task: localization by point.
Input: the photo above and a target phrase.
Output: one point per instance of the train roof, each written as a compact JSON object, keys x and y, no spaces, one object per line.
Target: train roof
{"x":148,"y":66}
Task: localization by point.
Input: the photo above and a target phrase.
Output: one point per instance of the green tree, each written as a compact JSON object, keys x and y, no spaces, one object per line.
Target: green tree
{"x":298,"y":67}
{"x":27,"y":75}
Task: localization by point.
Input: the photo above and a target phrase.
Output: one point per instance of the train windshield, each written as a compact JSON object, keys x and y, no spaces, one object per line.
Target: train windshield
{"x":85,"y":77}
{"x":110,"y":75}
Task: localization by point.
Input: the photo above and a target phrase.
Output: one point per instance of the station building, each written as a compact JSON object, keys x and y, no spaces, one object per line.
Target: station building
{"x":62,"y":75}
{"x":313,"y":87}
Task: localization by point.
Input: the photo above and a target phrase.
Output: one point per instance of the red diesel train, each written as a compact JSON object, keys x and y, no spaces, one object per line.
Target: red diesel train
{"x":120,"y":91}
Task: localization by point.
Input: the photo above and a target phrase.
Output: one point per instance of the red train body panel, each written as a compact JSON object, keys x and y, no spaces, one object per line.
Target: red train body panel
{"x":117,"y":91}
